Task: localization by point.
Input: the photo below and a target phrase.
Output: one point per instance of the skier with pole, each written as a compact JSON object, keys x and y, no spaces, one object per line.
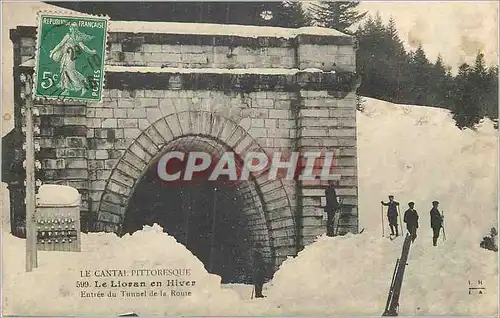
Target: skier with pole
{"x":332,"y":205}
{"x":411,"y":220}
{"x":392,"y":214}
{"x":436,"y":222}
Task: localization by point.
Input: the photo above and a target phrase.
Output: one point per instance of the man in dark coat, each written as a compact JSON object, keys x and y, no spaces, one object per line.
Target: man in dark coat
{"x":436,"y":222}
{"x":259,"y":270}
{"x":392,"y":214}
{"x":332,"y":205}
{"x":411,"y":220}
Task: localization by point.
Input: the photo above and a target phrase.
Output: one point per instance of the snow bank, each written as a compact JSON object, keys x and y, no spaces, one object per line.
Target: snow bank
{"x":57,"y":195}
{"x":218,"y":29}
{"x":51,"y":288}
{"x":351,"y":275}
{"x":342,"y":275}
{"x":261,"y":71}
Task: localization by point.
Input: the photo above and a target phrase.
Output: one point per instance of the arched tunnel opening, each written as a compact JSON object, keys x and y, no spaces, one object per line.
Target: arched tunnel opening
{"x":218,"y":221}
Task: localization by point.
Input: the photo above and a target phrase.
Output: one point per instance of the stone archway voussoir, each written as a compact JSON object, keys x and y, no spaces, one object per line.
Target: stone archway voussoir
{"x":109,"y":217}
{"x":155,"y":136}
{"x":147,"y":144}
{"x":235,"y":138}
{"x":218,"y":124}
{"x":185,"y":123}
{"x":206,"y":123}
{"x":244,"y":144}
{"x":163,"y":129}
{"x":174,"y":125}
{"x":195,"y":122}
{"x":134,"y":161}
{"x":114,"y":197}
{"x":122,"y":178}
{"x":116,"y":187}
{"x":137,"y":150}
{"x":227,"y":131}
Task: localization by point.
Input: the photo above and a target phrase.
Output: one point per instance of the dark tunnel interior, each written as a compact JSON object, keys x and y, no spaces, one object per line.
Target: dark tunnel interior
{"x":205,"y":216}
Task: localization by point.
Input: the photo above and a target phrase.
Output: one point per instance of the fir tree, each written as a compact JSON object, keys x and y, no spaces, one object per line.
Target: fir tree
{"x":289,"y":14}
{"x":465,"y":110}
{"x":439,"y":85}
{"x":420,"y":77}
{"x":339,"y":15}
{"x":491,"y":95}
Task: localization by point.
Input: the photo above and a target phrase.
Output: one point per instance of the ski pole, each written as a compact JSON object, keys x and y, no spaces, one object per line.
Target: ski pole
{"x":442,"y":225}
{"x":253,"y":288}
{"x":339,"y":210}
{"x":382,"y":215}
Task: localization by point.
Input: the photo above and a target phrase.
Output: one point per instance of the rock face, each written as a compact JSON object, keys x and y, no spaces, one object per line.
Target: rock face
{"x":216,"y":90}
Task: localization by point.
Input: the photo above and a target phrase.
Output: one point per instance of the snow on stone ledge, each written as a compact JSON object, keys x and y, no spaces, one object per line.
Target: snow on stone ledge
{"x":174,"y":70}
{"x":57,"y":195}
{"x":261,"y":71}
{"x":218,"y":29}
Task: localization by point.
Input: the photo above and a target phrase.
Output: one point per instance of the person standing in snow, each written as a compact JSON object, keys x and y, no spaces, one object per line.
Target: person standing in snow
{"x":411,"y":220}
{"x":436,"y":222}
{"x":259,"y":270}
{"x":392,"y":214}
{"x":332,"y":205}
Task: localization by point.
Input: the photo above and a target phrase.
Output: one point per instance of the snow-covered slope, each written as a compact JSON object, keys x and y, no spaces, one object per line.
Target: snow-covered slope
{"x":415,"y":153}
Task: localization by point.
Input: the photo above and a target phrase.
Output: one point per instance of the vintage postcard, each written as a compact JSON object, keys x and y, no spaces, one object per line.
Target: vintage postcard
{"x":249,"y":158}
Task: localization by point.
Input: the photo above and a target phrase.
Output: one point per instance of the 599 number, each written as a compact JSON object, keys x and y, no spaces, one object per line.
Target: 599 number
{"x":82,"y":284}
{"x":48,"y":80}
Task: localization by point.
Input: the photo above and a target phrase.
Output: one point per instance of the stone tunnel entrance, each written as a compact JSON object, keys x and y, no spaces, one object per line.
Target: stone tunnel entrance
{"x":218,"y":221}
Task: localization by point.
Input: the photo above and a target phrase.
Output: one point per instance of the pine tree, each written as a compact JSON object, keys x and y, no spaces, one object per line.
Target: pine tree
{"x":339,"y":15}
{"x":392,"y":31}
{"x":396,"y":59}
{"x":289,"y":14}
{"x":420,"y":77}
{"x":491,"y":95}
{"x":485,"y":87}
{"x":465,"y":110}
{"x":438,"y":85}
{"x":381,"y":60}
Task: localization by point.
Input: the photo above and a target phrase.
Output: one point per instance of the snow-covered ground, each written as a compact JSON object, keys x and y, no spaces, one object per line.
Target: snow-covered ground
{"x":415,"y":153}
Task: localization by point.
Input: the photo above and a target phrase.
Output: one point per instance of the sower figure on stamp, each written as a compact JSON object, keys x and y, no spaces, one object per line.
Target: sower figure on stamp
{"x":392,"y":214}
{"x":259,"y":270}
{"x":65,"y":53}
{"x":332,"y":205}
{"x":411,"y":220}
{"x":436,"y":222}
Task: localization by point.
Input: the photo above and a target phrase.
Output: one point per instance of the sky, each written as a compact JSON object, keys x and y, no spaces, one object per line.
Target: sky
{"x":456,"y":30}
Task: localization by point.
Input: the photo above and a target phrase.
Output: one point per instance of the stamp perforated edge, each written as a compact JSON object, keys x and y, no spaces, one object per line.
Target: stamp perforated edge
{"x":68,"y":14}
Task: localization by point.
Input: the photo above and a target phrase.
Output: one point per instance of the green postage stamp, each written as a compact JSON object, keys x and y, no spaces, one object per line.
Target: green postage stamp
{"x":70,"y":57}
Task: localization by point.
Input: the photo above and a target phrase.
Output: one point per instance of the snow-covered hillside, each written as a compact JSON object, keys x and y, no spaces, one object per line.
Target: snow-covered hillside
{"x":415,"y":153}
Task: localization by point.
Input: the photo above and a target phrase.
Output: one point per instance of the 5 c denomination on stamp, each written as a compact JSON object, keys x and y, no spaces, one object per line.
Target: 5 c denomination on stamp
{"x":70,"y":57}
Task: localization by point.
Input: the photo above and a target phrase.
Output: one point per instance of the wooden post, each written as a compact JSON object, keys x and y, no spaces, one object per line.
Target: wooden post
{"x":31,"y":232}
